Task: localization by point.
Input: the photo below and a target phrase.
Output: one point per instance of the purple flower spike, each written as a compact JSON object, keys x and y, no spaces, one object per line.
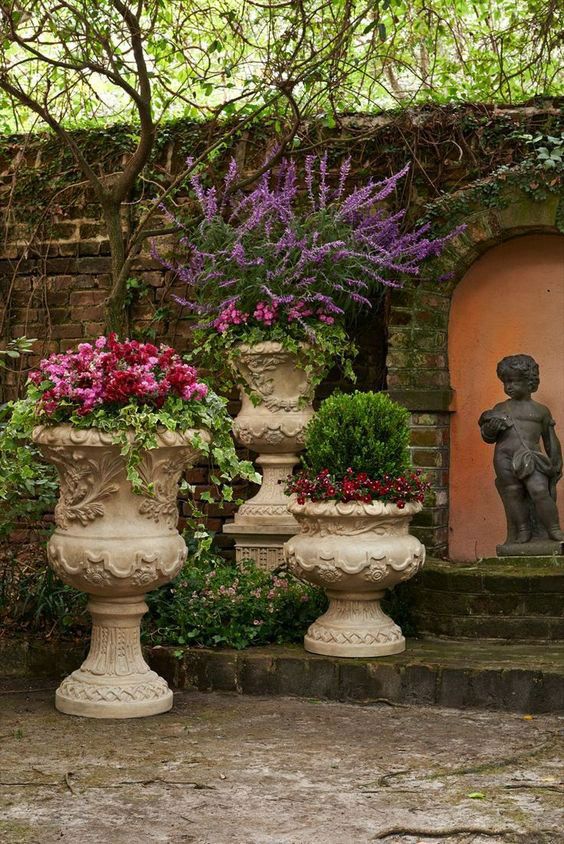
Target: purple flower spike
{"x":289,"y":268}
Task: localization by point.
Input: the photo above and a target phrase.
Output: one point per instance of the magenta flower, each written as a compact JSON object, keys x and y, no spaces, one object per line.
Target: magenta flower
{"x":111,"y":372}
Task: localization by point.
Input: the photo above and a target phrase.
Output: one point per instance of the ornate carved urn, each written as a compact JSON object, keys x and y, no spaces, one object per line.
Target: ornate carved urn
{"x":116,"y":546}
{"x":355,"y":551}
{"x":274,"y":427}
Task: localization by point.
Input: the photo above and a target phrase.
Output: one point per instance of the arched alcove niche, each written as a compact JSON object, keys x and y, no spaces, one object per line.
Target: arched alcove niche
{"x":524,"y":231}
{"x":510,"y":301}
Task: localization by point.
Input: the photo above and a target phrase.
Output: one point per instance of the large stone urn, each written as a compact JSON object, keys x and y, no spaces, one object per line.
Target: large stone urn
{"x":116,"y":546}
{"x":355,"y":551}
{"x":272,"y":425}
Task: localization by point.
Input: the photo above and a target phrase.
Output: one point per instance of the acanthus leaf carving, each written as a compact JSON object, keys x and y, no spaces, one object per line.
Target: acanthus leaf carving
{"x":162,"y":476}
{"x":85,"y":482}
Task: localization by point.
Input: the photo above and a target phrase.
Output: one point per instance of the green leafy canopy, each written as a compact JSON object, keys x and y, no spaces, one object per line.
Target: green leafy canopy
{"x":331,"y":56}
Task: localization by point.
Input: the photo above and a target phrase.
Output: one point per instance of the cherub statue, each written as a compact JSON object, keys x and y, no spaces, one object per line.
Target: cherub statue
{"x":526,"y":477}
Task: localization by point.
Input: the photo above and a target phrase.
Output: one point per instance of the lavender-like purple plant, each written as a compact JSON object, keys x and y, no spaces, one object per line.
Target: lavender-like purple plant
{"x":262,"y":263}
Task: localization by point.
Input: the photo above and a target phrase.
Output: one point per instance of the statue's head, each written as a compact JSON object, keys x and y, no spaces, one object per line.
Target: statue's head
{"x":519,"y":368}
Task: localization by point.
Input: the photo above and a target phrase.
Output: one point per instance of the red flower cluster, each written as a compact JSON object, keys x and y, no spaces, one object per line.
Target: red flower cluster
{"x":114,"y":372}
{"x":357,"y":487}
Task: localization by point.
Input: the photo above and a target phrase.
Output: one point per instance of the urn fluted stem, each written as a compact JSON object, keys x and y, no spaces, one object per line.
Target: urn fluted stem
{"x":356,"y":624}
{"x":115,"y":671}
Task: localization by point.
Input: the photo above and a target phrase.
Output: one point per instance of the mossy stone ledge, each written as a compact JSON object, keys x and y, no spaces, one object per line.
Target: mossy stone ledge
{"x":514,"y":599}
{"x":527,"y":678}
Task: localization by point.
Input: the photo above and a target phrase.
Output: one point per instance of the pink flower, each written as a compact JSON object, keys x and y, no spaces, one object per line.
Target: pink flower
{"x":115,"y":372}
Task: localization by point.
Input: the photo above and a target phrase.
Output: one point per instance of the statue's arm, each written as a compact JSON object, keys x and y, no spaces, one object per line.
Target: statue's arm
{"x":552,"y":446}
{"x":491,"y":424}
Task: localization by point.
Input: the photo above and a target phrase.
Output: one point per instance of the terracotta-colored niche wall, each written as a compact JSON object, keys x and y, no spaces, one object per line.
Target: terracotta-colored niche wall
{"x":511,"y":301}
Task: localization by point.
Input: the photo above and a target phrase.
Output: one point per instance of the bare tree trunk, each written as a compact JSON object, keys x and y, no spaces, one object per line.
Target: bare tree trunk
{"x":116,"y":315}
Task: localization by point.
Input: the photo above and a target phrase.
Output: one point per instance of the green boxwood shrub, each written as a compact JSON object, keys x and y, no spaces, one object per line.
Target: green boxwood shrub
{"x":367,"y":432}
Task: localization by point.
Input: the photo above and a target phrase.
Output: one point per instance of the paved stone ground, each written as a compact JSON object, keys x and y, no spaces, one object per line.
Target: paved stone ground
{"x":226,"y":769}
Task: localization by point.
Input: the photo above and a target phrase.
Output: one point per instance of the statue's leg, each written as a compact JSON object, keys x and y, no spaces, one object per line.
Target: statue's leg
{"x":514,"y":501}
{"x":516,"y":510}
{"x":545,"y":506}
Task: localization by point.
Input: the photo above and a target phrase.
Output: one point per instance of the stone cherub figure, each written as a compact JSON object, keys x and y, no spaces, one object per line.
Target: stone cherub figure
{"x":526,"y":477}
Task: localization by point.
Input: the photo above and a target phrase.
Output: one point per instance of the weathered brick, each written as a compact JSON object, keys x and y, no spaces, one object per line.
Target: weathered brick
{"x":101,"y":281}
{"x":89,"y":247}
{"x":92,"y":329}
{"x":59,"y":315}
{"x":87,"y":297}
{"x":65,"y":331}
{"x":430,"y":378}
{"x":94,"y":265}
{"x":63,"y":231}
{"x":91,"y":312}
{"x":400,"y":317}
{"x":71,"y":343}
{"x":399,"y":378}
{"x":22,"y":283}
{"x":70,"y":248}
{"x":61,"y":266}
{"x":28,"y":315}
{"x":89,"y":231}
{"x":428,"y":457}
{"x":427,"y":436}
{"x":154,"y":279}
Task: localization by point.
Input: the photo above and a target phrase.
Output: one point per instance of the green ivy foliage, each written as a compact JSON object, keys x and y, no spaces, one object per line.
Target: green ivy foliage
{"x":217,"y":354}
{"x":210,"y":604}
{"x":367,"y":432}
{"x":213,"y":604}
{"x":28,"y":486}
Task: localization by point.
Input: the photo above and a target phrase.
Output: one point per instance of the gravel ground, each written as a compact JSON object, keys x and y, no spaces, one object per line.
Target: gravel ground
{"x":226,"y":769}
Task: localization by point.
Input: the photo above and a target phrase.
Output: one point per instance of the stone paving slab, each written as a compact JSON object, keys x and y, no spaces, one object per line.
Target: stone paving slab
{"x":230,"y":769}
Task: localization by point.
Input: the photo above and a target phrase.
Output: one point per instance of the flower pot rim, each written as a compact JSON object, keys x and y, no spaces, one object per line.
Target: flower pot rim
{"x":65,"y":433}
{"x":268,"y":347}
{"x":332,"y":508}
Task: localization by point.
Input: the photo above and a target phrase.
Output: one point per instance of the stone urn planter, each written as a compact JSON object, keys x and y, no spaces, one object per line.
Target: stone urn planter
{"x":355,"y":551}
{"x":116,"y":546}
{"x":273,"y":427}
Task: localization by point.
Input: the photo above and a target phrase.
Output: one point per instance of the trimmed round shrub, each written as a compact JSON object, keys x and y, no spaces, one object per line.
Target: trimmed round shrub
{"x":367,"y":432}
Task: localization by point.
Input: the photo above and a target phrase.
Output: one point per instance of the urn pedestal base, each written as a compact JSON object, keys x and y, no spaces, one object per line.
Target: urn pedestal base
{"x":534,"y":548}
{"x":263,"y":544}
{"x":271,"y":424}
{"x":263,"y":524}
{"x":354,"y":625}
{"x":355,"y":551}
{"x":114,"y":680}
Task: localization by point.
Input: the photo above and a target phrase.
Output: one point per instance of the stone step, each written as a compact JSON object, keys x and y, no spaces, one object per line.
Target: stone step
{"x":512,"y":599}
{"x":459,"y":674}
